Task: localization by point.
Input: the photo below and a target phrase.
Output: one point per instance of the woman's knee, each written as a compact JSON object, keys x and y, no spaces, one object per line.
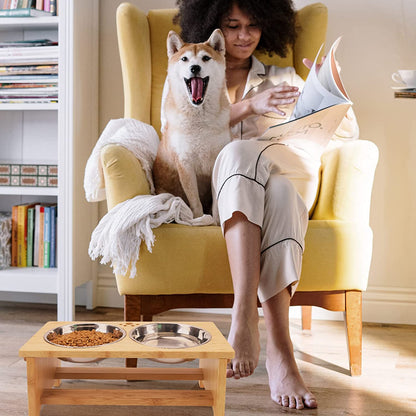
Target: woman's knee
{"x":280,"y":188}
{"x":237,"y":152}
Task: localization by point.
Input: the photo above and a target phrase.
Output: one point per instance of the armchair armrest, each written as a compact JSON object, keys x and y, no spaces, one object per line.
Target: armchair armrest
{"x":123,"y":174}
{"x":347,"y":181}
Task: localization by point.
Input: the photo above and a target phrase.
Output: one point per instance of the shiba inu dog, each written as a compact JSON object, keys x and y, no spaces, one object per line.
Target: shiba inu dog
{"x":195,"y":120}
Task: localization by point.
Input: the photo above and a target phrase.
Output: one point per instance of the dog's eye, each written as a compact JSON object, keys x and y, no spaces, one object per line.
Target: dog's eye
{"x":206,"y":58}
{"x":184,"y":58}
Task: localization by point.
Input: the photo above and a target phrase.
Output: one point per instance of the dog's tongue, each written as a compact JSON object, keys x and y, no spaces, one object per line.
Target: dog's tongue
{"x":197,"y":86}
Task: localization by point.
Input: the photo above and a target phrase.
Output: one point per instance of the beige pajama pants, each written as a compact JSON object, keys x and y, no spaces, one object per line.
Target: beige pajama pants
{"x":274,"y":186}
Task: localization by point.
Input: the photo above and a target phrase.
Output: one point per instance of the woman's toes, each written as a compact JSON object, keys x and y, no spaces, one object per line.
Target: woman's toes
{"x":310,"y":401}
{"x":244,"y":369}
{"x":292,"y":402}
{"x":299,"y":402}
{"x":229,"y":373}
{"x":237,"y":374}
{"x":285,"y":401}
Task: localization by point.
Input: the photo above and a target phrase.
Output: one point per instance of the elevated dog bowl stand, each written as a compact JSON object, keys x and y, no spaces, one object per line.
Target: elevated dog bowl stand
{"x":44,"y":372}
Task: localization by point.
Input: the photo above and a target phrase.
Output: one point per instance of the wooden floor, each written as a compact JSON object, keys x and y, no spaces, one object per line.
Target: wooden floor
{"x":386,"y":388}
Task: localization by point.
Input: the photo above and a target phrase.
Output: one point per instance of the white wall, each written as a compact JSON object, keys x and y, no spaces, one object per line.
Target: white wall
{"x":379,"y":36}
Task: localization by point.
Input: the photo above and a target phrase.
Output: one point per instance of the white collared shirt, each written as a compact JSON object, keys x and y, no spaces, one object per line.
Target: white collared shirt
{"x":260,"y":78}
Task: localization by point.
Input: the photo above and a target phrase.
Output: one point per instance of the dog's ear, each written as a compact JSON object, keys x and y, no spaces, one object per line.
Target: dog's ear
{"x":217,"y":41}
{"x":174,"y":43}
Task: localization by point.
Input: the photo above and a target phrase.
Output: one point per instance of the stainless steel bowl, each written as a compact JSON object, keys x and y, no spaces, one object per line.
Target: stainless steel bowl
{"x":67,"y":329}
{"x":170,"y":335}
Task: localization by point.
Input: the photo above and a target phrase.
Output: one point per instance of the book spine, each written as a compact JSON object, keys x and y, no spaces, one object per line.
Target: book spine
{"x":47,"y":237}
{"x":15,"y":13}
{"x":30,"y":232}
{"x":36,"y":236}
{"x":14,"y":235}
{"x":22,"y":236}
{"x":41,"y":228}
{"x":53,"y":8}
{"x":53,"y":236}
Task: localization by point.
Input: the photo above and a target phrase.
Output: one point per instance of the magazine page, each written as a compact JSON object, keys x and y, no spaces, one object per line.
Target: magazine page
{"x":319,"y":110}
{"x":329,"y":76}
{"x":323,"y":88}
{"x":317,"y":127}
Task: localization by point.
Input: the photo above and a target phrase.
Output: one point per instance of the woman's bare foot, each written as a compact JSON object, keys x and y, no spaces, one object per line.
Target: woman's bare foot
{"x":286,"y":384}
{"x":244,"y":338}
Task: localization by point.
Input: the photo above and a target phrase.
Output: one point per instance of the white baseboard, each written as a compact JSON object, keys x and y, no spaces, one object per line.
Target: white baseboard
{"x":389,"y":305}
{"x":381,"y":304}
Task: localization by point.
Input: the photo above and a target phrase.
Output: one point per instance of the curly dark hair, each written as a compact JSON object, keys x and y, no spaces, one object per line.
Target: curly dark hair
{"x":276,"y":18}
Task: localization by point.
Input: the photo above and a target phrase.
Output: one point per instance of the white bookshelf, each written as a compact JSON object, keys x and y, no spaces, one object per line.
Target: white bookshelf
{"x":62,"y":134}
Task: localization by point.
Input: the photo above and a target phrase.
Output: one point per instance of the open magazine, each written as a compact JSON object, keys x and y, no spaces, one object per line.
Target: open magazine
{"x":320,"y":108}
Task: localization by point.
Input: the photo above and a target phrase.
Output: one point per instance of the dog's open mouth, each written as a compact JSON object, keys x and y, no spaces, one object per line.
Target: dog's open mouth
{"x":197,"y":87}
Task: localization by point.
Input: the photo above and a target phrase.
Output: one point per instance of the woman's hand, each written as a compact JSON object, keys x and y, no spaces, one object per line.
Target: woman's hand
{"x":269,"y":101}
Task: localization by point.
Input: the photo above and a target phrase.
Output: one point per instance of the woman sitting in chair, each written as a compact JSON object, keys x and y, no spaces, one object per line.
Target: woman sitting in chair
{"x":263,"y":191}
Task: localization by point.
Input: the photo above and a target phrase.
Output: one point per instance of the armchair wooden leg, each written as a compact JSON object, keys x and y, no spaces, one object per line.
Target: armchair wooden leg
{"x":353,"y":320}
{"x":132,"y":312}
{"x":306,"y":317}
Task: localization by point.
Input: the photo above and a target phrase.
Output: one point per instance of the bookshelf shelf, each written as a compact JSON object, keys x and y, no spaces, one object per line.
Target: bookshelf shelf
{"x":31,"y":133}
{"x":29,"y":279}
{"x":7,"y":23}
{"x":25,"y":190}
{"x":36,"y":107}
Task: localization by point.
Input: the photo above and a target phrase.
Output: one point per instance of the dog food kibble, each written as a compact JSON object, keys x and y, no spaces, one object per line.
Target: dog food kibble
{"x":84,"y":338}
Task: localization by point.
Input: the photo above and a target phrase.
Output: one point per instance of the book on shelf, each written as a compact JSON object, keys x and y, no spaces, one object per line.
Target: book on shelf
{"x":14,"y":236}
{"x":33,"y":51}
{"x":320,"y":108}
{"x":24,"y":12}
{"x":53,"y":236}
{"x":22,"y":223}
{"x":41,"y":220}
{"x":27,"y":43}
{"x":21,"y":61}
{"x":47,"y":236}
{"x":28,"y":92}
{"x":7,"y":86}
{"x":33,"y":238}
{"x":28,"y":69}
{"x":28,"y":81}
{"x":26,"y":63}
{"x":30,"y":233}
{"x":28,"y":8}
{"x":36,"y":101}
{"x":36,"y":233}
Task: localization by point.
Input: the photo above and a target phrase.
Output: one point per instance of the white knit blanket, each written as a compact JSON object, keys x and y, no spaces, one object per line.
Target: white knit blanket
{"x":119,"y":234}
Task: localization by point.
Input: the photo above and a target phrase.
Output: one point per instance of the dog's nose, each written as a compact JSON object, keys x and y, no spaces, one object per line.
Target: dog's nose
{"x":195,"y":69}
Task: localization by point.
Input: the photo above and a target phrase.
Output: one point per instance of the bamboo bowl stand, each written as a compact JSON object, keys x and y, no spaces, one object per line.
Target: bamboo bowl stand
{"x":44,"y":372}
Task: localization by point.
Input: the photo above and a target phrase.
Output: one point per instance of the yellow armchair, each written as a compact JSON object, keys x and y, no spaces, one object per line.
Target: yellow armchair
{"x":188,"y":267}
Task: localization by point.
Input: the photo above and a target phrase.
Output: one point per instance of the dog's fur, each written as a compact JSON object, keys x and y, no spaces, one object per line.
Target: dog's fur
{"x":196,"y":124}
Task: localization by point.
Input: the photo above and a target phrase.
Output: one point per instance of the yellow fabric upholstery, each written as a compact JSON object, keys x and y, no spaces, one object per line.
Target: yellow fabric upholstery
{"x":193,"y":259}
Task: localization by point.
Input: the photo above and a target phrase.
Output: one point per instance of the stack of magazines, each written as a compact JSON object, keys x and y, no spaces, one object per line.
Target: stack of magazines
{"x":29,"y":71}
